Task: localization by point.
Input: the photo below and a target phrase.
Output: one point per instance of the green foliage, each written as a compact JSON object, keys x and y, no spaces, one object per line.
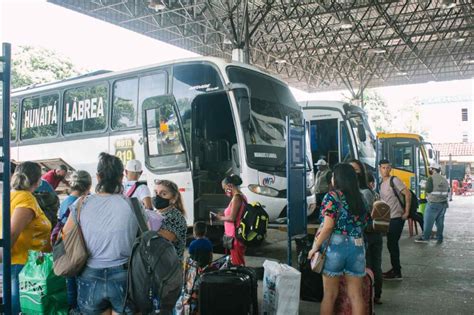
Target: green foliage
{"x":378,"y":111}
{"x":35,"y":65}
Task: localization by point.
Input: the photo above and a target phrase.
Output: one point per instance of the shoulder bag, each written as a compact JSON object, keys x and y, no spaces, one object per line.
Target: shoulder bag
{"x":70,"y":253}
{"x":319,"y":258}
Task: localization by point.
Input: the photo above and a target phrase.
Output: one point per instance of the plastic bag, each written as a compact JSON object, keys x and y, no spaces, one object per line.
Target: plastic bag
{"x":281,"y":289}
{"x":41,"y":291}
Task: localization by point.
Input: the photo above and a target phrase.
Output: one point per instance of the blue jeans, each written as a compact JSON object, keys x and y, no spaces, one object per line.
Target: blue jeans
{"x":344,"y":256}
{"x":434,"y":213}
{"x":15,"y":271}
{"x":71,"y":285}
{"x":102,"y":289}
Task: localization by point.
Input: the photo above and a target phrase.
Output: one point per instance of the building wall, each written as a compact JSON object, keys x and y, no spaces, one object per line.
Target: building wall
{"x":442,"y":118}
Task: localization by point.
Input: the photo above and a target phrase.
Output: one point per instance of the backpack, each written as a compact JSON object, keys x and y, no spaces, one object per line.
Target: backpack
{"x":49,"y":203}
{"x":155,"y":273}
{"x":413,"y":214}
{"x":252,"y":229}
{"x":380,"y":217}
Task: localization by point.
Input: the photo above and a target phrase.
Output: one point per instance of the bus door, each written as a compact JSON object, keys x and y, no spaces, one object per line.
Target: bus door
{"x":330,"y":140}
{"x":214,"y":151}
{"x":166,"y":155}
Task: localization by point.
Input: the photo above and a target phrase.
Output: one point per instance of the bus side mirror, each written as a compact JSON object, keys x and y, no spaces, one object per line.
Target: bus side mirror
{"x":243,"y":101}
{"x":244,"y":110}
{"x":430,"y":153}
{"x":361,"y":133}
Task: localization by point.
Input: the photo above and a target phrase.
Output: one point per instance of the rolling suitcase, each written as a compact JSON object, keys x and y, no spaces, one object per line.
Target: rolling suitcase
{"x":343,"y":304}
{"x":227,"y":291}
{"x":254,"y":282}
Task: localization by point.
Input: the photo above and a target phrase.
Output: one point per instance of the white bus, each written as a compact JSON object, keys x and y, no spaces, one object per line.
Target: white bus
{"x":190,"y":121}
{"x":339,"y":132}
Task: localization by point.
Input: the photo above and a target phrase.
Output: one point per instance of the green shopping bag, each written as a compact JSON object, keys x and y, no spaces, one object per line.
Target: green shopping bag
{"x":41,"y":291}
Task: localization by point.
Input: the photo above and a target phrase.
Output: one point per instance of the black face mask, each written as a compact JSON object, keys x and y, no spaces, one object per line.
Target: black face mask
{"x":160,"y":202}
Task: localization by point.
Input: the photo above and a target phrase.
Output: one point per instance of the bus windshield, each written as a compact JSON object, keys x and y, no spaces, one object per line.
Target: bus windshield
{"x":365,"y":147}
{"x":265,"y":134}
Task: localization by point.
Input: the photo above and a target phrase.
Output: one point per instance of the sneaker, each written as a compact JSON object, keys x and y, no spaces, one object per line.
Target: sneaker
{"x":393,"y":276}
{"x":387,"y":272}
{"x":421,"y":240}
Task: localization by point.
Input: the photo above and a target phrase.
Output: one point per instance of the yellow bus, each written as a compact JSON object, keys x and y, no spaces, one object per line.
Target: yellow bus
{"x":409,"y":157}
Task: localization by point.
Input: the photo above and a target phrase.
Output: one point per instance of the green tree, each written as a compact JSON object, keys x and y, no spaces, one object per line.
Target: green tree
{"x":35,"y":65}
{"x":409,"y":118}
{"x":378,"y":111}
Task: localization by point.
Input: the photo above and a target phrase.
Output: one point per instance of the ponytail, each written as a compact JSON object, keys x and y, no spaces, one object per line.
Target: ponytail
{"x":26,"y":175}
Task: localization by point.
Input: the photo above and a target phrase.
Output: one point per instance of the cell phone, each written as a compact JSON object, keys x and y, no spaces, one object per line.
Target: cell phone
{"x":213,"y":213}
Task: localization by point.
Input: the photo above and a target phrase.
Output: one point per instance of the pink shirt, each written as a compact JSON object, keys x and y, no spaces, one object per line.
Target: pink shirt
{"x":229,"y":227}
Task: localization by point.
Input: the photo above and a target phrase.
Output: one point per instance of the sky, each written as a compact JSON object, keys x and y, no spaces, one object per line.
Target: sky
{"x":93,"y":44}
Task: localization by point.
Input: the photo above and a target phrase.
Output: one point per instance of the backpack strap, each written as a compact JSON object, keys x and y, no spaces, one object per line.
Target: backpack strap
{"x":395,"y":192}
{"x":137,"y":211}
{"x":133,"y":189}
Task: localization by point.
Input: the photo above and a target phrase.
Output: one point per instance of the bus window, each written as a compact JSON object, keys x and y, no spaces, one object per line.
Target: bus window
{"x":39,"y":116}
{"x":165,"y":149}
{"x":125,"y":102}
{"x":403,"y":158}
{"x":324,"y":140}
{"x":85,"y":109}
{"x":149,"y":86}
{"x":346,"y":152}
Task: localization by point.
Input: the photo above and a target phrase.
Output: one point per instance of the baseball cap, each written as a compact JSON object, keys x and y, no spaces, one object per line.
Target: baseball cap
{"x":134,"y":166}
{"x":321,"y":162}
{"x":435,"y":165}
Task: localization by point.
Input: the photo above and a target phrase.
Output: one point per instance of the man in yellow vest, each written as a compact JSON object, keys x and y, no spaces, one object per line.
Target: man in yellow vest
{"x":437,"y":188}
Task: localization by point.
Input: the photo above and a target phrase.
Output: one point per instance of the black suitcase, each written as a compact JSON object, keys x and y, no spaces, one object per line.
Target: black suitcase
{"x":311,"y":288}
{"x":251,"y":272}
{"x":227,"y":291}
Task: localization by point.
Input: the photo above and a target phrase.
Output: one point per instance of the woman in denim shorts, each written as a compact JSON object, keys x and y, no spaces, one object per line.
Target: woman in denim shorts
{"x":109,"y":227}
{"x":344,"y":217}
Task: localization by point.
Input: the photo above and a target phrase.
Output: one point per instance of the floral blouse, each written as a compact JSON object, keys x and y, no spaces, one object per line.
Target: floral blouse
{"x":347,"y":224}
{"x":175,"y":222}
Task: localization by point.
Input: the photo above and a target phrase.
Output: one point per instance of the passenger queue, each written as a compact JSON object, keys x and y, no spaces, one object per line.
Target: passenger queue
{"x":347,"y":236}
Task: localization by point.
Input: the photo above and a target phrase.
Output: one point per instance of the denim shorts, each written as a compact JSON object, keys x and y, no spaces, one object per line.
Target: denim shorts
{"x":101,"y":289}
{"x":344,"y":256}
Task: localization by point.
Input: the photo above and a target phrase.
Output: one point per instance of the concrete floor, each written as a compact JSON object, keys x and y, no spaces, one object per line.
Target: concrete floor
{"x":437,"y":279}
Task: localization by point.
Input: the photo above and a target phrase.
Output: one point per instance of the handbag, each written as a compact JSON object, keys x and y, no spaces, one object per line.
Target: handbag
{"x":319,"y":258}
{"x":70,"y":254}
{"x":228,"y":242}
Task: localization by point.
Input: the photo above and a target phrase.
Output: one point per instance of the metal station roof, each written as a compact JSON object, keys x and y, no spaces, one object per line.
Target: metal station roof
{"x":313,"y":45}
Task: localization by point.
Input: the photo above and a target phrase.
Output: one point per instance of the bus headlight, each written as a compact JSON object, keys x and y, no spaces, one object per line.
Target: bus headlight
{"x":263,"y":190}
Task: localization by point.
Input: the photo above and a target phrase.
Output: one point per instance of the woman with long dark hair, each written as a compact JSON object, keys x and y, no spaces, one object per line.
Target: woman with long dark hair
{"x":169,"y":202}
{"x":344,"y":219}
{"x":109,"y":226}
{"x":373,"y":238}
{"x":231,"y":217}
